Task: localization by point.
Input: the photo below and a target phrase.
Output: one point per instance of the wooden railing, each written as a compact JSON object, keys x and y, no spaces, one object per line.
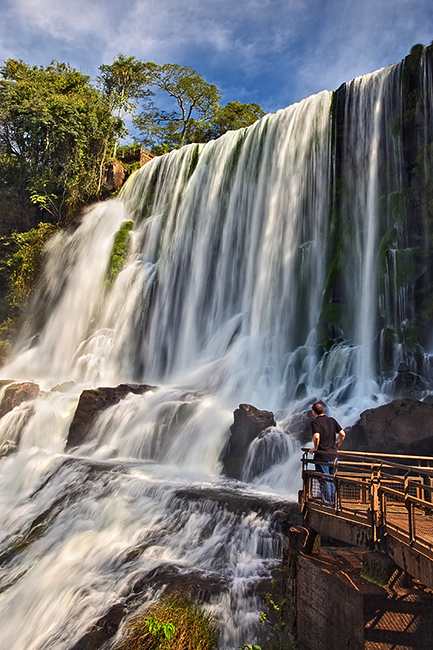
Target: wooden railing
{"x":377,"y":496}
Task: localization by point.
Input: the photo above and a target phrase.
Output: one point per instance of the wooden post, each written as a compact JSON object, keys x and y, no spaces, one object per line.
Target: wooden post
{"x":289,"y":612}
{"x":375,"y":502}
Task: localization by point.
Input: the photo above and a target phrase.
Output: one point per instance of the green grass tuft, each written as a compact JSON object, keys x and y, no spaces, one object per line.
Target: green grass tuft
{"x":172,"y":624}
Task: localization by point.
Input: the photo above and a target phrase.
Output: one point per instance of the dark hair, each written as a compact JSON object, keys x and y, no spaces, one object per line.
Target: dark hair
{"x":318,"y":408}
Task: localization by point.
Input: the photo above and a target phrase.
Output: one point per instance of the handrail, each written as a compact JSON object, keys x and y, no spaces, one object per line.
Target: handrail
{"x":365,"y":454}
{"x":396,"y":499}
{"x":369,"y":459}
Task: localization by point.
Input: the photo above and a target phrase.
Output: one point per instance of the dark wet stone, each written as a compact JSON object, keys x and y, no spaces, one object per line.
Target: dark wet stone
{"x":408,"y":384}
{"x":186,"y":581}
{"x":103,"y":630}
{"x":404,"y":426}
{"x":92,"y":402}
{"x":240,"y":502}
{"x":249,"y":422}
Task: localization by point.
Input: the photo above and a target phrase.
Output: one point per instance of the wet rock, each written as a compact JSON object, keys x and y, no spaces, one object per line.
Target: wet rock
{"x":92,"y":402}
{"x":105,"y":628}
{"x":16,"y":394}
{"x":299,"y":425}
{"x":241,"y":502}
{"x":249,"y":422}
{"x":408,"y":384}
{"x":188,"y":582}
{"x":301,"y":391}
{"x":404,"y":426}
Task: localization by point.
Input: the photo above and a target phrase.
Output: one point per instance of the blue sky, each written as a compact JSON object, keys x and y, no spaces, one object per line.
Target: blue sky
{"x":273,"y":52}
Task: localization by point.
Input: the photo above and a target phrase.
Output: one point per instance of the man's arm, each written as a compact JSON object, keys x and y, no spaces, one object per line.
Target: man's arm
{"x":341,"y":436}
{"x":316,"y":440}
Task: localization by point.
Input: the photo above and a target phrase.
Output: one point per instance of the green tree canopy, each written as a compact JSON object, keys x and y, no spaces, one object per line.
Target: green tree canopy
{"x":232,"y":116}
{"x":195,"y":98}
{"x":54,"y":130}
{"x":124,"y":83}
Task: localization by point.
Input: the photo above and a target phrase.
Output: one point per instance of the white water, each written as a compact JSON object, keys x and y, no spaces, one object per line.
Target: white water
{"x":218,"y":304}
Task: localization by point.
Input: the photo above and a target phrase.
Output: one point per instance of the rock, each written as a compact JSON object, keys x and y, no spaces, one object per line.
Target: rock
{"x":189,"y":582}
{"x":249,"y":422}
{"x":103,"y":630}
{"x":114,"y":176}
{"x":16,"y":394}
{"x":408,"y":384}
{"x":301,"y":391}
{"x":404,"y":426}
{"x":92,"y":402}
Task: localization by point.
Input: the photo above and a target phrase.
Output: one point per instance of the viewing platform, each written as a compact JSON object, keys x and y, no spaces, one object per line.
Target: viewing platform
{"x":382,"y":503}
{"x":369,"y":584}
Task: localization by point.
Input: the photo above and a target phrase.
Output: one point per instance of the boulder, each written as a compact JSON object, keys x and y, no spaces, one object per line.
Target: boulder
{"x":92,"y":402}
{"x":404,"y":426}
{"x":103,"y":630}
{"x":249,"y":422}
{"x":16,"y":394}
{"x":408,"y":384}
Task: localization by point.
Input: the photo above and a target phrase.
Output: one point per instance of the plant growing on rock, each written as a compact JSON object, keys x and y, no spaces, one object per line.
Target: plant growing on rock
{"x":171,"y":624}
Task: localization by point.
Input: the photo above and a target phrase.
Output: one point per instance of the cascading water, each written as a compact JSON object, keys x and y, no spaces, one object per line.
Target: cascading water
{"x":276,"y":262}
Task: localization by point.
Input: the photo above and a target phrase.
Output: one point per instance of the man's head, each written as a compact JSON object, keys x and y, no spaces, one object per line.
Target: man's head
{"x":317,"y":408}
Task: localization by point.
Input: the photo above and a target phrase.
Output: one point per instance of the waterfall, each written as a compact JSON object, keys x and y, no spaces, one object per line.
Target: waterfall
{"x":279,"y":264}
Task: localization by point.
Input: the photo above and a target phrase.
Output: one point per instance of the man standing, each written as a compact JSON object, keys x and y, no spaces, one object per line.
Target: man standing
{"x":324,"y":430}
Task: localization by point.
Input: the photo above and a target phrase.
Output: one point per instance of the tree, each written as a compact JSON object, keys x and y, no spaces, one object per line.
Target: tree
{"x":123,"y":83}
{"x":195,"y":98}
{"x":232,"y":116}
{"x":54,"y":129}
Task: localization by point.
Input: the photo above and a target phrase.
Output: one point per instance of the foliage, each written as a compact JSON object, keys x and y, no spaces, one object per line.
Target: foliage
{"x":195,"y":98}
{"x":171,"y":624}
{"x":232,"y":116}
{"x":54,"y":129}
{"x":123,"y":83}
{"x":21,"y":257}
{"x":119,"y":251}
{"x":24,"y":262}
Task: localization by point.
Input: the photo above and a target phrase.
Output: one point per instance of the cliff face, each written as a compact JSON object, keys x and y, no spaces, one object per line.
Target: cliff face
{"x":400,"y":153}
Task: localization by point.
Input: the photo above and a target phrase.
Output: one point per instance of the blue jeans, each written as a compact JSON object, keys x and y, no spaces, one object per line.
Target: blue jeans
{"x":327,"y":487}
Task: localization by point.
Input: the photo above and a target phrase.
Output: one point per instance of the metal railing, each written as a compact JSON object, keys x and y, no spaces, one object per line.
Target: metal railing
{"x":392,"y":495}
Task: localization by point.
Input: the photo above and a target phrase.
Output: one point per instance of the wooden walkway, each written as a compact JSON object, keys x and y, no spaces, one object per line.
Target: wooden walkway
{"x":379,"y":502}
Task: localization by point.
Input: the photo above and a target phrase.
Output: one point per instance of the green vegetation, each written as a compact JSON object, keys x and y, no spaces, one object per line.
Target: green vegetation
{"x":20,"y":263}
{"x":54,"y":130}
{"x":194,"y":97}
{"x":231,"y":117}
{"x":119,"y":252}
{"x":123,"y":83}
{"x":25,"y":261}
{"x":172,"y":624}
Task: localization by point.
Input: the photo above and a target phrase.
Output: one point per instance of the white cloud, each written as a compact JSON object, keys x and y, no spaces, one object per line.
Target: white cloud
{"x":357,"y":38}
{"x":270,"y":51}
